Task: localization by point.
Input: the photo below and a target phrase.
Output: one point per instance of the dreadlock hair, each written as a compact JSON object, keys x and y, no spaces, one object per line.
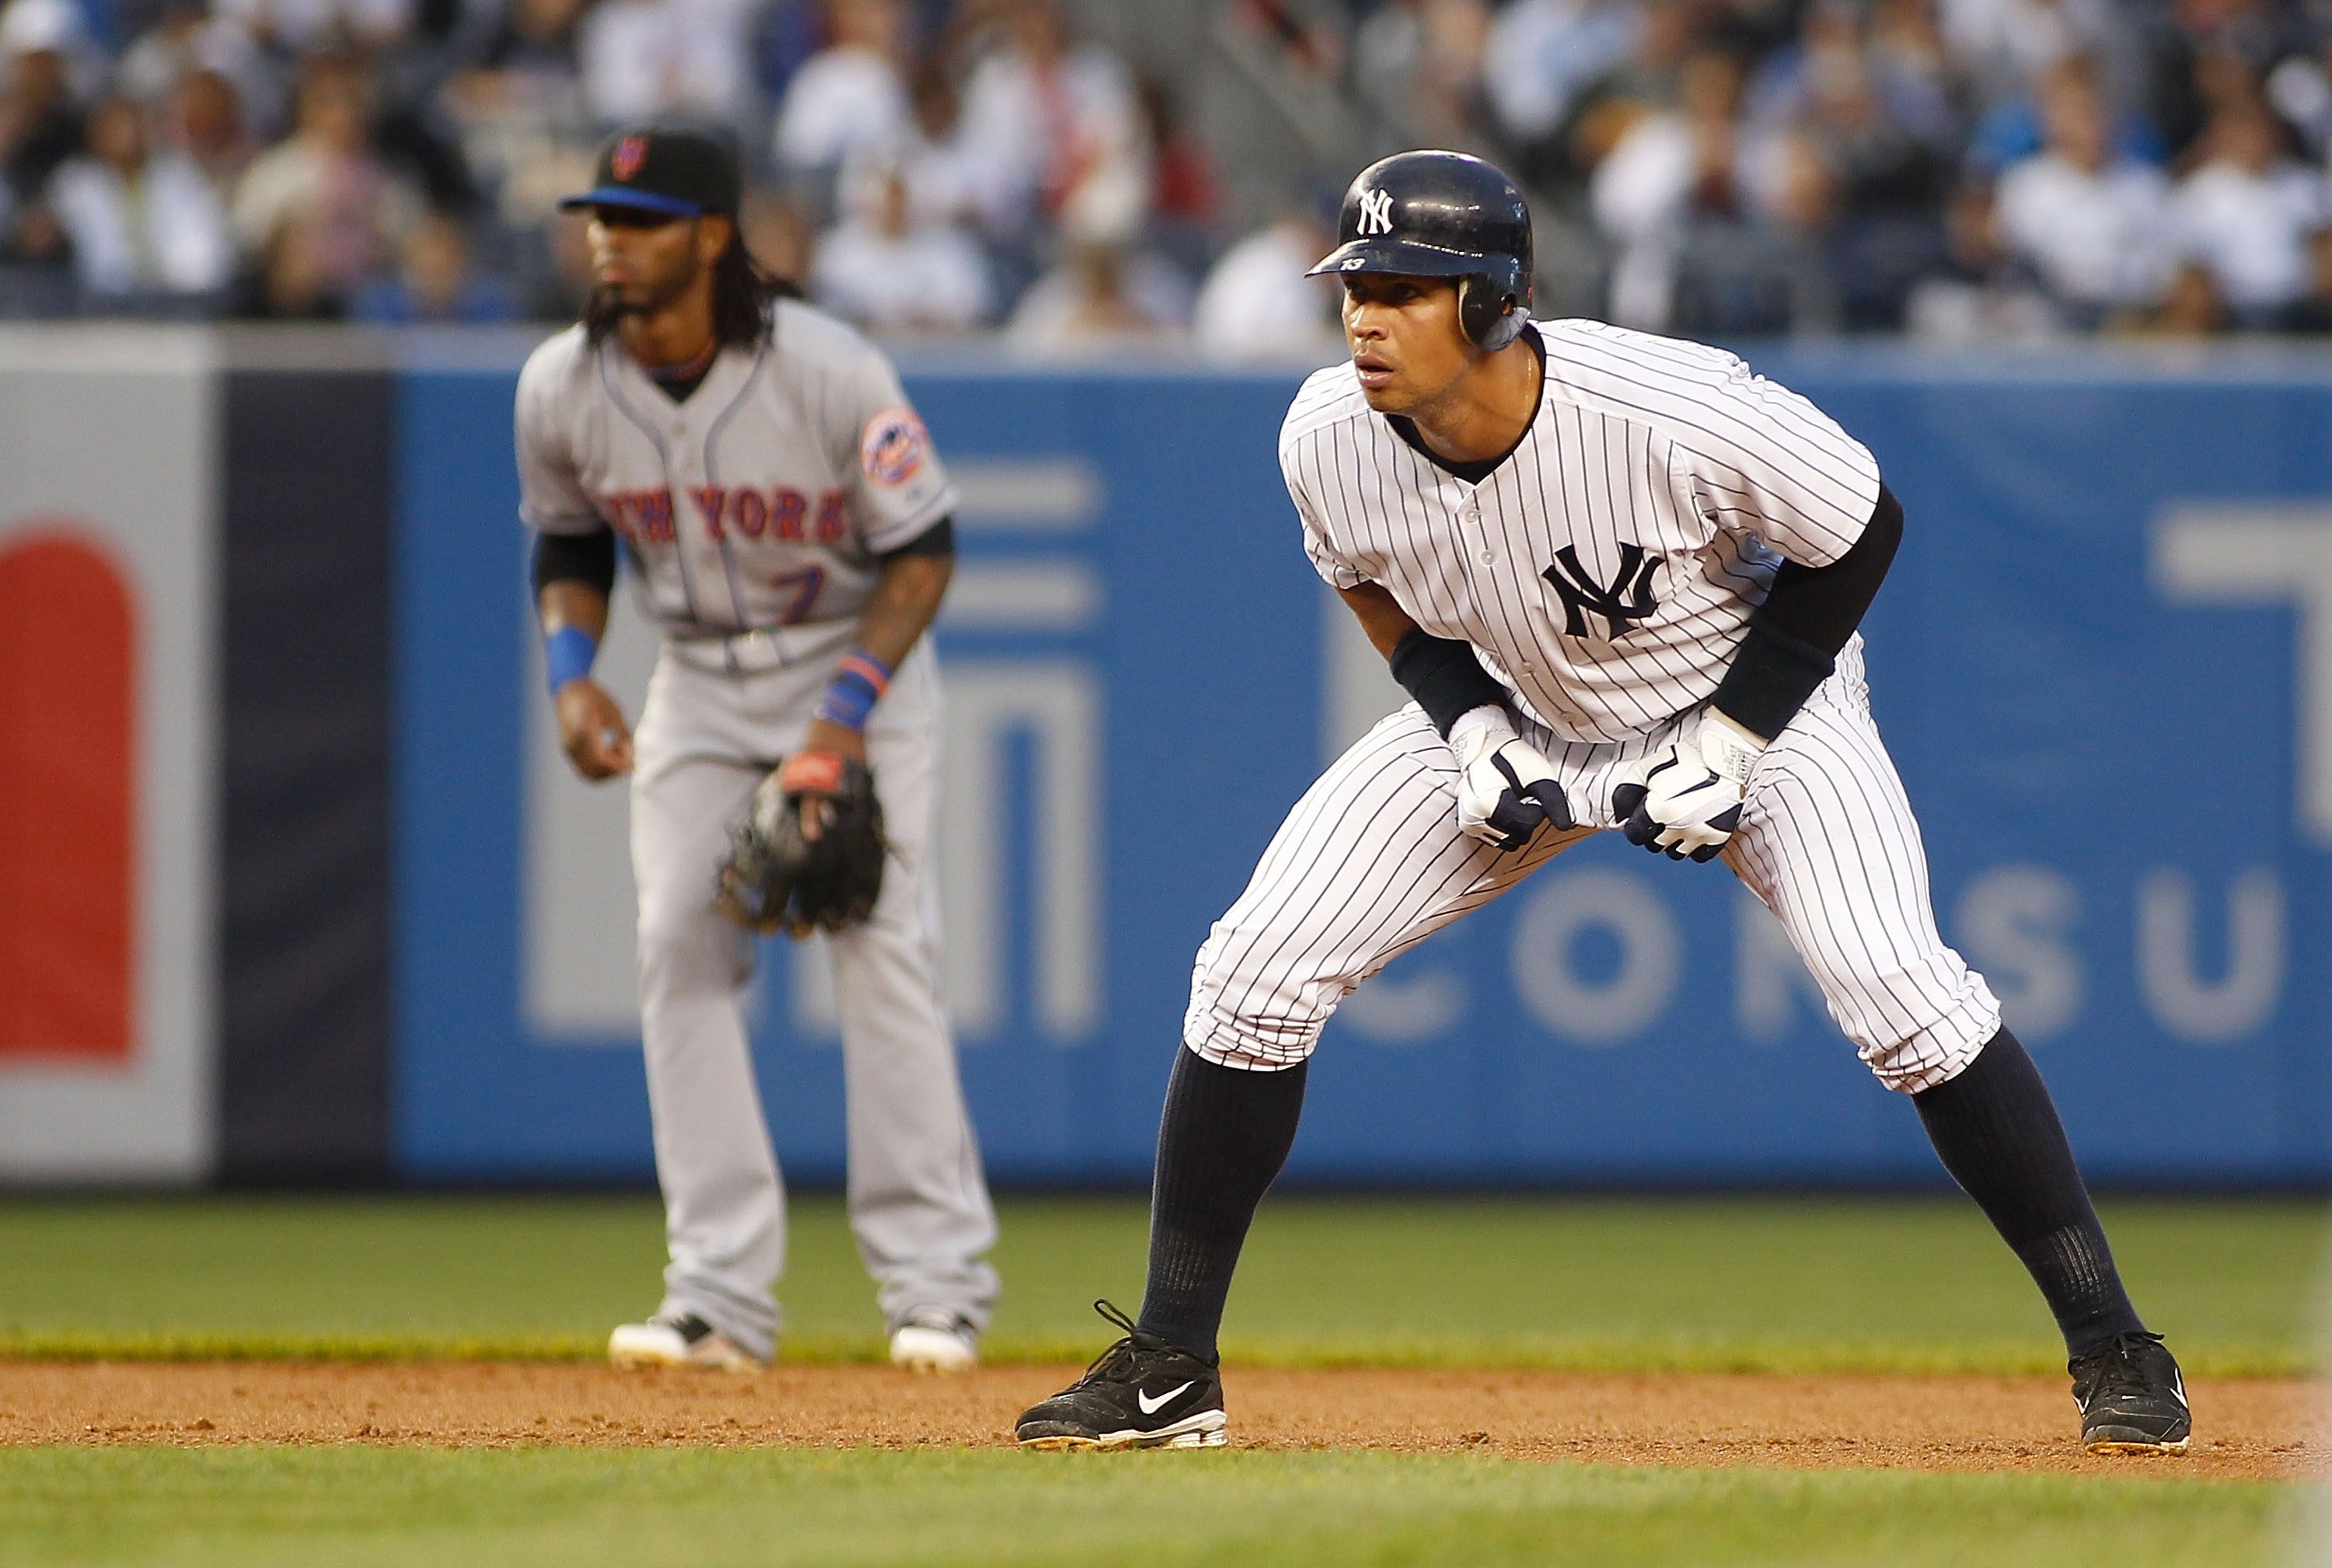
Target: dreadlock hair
{"x":743,"y":291}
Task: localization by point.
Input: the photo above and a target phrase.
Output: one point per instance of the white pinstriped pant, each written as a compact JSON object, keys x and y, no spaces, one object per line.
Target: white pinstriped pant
{"x":1370,"y":863}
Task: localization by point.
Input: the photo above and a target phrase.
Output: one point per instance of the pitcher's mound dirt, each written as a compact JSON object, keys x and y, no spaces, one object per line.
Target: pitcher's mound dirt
{"x":2249,"y":1428}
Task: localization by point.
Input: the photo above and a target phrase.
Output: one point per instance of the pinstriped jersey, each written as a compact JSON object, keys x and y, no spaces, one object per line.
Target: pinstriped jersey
{"x":1607,"y":567}
{"x":762,"y":500}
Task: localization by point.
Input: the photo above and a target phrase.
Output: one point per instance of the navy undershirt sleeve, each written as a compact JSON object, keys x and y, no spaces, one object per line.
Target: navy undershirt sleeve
{"x":1796,"y":636}
{"x":588,"y":559}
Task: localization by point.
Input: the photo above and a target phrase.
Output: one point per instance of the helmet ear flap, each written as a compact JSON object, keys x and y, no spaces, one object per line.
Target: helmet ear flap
{"x":1491,"y":310}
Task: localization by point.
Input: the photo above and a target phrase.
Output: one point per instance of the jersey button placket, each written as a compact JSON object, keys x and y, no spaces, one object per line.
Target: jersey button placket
{"x":1469,"y":519}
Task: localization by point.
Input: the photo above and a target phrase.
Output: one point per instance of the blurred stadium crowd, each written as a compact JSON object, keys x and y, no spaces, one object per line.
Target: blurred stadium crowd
{"x":1955,"y":169}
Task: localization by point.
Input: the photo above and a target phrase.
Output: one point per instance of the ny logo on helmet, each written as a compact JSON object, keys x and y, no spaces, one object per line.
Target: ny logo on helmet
{"x":630,"y":153}
{"x":1376,"y":212}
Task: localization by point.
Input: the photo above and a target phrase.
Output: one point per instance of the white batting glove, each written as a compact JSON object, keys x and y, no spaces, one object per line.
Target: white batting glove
{"x":1505,"y":789}
{"x":1685,"y":799}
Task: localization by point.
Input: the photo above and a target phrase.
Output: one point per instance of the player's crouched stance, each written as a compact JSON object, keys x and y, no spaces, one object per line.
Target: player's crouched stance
{"x":1621,"y":578}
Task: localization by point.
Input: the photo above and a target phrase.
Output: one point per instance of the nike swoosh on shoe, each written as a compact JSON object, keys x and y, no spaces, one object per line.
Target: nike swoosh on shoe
{"x":1150,"y":1407}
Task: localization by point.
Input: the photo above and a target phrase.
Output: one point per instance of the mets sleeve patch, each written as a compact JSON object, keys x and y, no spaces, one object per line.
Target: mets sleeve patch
{"x":894,"y":447}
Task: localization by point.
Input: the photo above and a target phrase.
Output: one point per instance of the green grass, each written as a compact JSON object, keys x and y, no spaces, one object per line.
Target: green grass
{"x":1747,"y":1283}
{"x":1585,"y":1283}
{"x":258,"y":1508}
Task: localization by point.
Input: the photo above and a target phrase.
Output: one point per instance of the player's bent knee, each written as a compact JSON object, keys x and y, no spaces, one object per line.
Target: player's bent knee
{"x":1258,"y":1035}
{"x":1936,"y":1053}
{"x":1230,"y":1050}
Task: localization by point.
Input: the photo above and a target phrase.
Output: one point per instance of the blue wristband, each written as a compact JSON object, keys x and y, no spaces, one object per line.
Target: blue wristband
{"x":858,"y":683}
{"x":566,"y":656}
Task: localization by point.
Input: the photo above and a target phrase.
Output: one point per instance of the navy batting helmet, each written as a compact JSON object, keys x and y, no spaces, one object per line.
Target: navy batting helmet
{"x":1442,"y":214}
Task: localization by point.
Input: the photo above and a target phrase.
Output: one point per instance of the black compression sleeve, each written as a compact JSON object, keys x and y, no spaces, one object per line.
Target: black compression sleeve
{"x":937,"y":539}
{"x":588,"y":559}
{"x":1444,"y":677}
{"x":1796,"y":636}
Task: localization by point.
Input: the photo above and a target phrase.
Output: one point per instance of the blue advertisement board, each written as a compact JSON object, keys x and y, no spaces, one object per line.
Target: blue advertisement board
{"x":2103,"y":663}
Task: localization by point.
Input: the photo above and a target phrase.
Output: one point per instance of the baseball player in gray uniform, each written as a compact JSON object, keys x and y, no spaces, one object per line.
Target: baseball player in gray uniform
{"x":791,"y":534}
{"x":1621,"y":579}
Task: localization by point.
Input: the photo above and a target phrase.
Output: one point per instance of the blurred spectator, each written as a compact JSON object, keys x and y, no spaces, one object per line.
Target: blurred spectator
{"x":291,"y":280}
{"x":942,"y":180}
{"x":40,"y":121}
{"x":1185,"y":197}
{"x":1977,"y":295}
{"x":140,"y":223}
{"x":2300,"y":89}
{"x":1835,"y":58}
{"x":1418,"y":65}
{"x":1714,"y":166}
{"x":1102,"y":293}
{"x":203,"y":122}
{"x":778,"y":235}
{"x":2190,"y":307}
{"x":552,"y":287}
{"x":298,"y":28}
{"x":435,"y":283}
{"x":2004,"y":46}
{"x":1907,"y":45}
{"x":644,"y":58}
{"x":519,"y":115}
{"x":851,"y":96}
{"x":2313,"y":314}
{"x":60,"y":28}
{"x":2198,"y":57}
{"x":322,"y":203}
{"x":2087,"y":222}
{"x":1258,"y":305}
{"x":1644,"y":83}
{"x":1052,"y":131}
{"x":889,"y":270}
{"x":1542,"y":55}
{"x":1672,"y":173}
{"x":1887,"y":177}
{"x":529,"y":58}
{"x":188,"y":39}
{"x":2248,"y":213}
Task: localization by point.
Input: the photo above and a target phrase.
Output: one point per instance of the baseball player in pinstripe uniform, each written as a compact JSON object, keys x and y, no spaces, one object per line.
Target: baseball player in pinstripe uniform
{"x":790,"y":531}
{"x":1620,"y":576}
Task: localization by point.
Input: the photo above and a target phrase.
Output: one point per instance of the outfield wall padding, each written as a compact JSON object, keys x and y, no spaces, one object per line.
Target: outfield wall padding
{"x":398,"y":948}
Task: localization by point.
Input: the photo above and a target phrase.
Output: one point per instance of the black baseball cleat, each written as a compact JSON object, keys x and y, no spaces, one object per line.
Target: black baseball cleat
{"x":1141,"y":1393}
{"x":2131,"y":1398}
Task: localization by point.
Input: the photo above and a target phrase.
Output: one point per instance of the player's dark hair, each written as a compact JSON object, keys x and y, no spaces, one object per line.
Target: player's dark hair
{"x":743,"y":291}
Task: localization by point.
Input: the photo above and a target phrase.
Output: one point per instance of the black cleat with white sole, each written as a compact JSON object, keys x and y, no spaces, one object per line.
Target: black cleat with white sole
{"x":2132,"y":1397}
{"x":1141,"y":1393}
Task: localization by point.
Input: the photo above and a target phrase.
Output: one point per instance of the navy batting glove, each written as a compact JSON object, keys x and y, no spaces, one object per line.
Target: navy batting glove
{"x":1685,"y":800}
{"x":1506,"y":790}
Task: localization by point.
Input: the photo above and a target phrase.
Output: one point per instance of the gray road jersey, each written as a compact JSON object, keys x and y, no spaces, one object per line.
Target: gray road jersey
{"x":1607,"y":568}
{"x":760,"y":502}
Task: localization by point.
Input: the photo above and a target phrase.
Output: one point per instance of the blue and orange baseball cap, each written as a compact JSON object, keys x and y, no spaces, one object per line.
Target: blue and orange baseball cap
{"x":679,"y":171}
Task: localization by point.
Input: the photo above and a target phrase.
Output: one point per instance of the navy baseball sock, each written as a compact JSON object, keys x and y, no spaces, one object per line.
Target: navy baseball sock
{"x":1997,"y":1131}
{"x":1225,"y":1134}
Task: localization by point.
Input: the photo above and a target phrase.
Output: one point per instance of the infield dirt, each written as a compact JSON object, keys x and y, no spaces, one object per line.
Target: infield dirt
{"x":2249,"y":1428}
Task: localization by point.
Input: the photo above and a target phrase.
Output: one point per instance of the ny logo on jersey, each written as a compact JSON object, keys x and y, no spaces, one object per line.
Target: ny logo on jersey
{"x":1627,"y":597}
{"x":1376,"y":212}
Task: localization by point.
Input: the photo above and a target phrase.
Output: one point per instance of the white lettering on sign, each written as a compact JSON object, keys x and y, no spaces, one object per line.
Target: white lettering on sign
{"x":1564,"y":907}
{"x":2016,"y":924}
{"x":2208,"y":1012}
{"x":2234,"y":555}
